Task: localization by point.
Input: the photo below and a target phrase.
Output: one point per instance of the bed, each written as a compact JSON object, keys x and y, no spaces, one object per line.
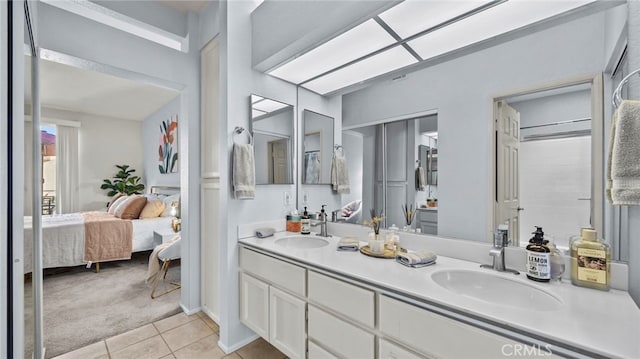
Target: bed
{"x":85,"y":238}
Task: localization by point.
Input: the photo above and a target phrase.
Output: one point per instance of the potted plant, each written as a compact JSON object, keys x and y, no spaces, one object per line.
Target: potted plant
{"x":123,"y":182}
{"x":376,"y":244}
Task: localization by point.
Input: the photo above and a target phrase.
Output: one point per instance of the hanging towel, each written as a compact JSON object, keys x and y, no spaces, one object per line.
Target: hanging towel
{"x":623,"y":167}
{"x":340,"y":175}
{"x":420,"y":182}
{"x":244,"y":171}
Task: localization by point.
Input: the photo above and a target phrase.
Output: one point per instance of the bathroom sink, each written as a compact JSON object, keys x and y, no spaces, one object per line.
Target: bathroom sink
{"x":496,"y":289}
{"x":302,"y":242}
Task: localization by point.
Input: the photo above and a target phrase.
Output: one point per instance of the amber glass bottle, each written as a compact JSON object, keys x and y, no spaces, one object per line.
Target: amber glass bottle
{"x":538,"y":258}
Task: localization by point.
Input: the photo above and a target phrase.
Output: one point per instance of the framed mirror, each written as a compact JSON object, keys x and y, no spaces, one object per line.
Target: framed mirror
{"x":272,"y":130}
{"x":317,"y":147}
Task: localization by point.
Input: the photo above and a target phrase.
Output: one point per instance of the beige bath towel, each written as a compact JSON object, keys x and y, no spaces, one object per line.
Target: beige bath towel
{"x":623,"y":167}
{"x":244,"y":171}
{"x":340,"y":175}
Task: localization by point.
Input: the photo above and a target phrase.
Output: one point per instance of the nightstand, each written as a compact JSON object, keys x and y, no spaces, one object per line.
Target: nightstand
{"x":164,"y":235}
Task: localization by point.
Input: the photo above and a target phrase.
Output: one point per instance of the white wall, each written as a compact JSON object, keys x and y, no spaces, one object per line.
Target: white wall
{"x":461,"y":91}
{"x":150,"y":141}
{"x":103,"y":143}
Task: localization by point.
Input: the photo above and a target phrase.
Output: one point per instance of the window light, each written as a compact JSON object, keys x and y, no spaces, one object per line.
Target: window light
{"x":353,"y":44}
{"x":489,"y":23}
{"x":412,"y":16}
{"x":370,"y":67}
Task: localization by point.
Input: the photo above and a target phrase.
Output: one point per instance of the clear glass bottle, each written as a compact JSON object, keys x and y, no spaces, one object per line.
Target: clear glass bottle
{"x":557,"y":262}
{"x":590,"y":261}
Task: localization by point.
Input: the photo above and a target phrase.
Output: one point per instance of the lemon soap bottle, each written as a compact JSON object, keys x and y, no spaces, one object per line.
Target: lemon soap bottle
{"x":590,"y":261}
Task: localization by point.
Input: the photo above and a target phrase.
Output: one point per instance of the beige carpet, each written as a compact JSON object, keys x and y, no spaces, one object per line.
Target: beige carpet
{"x":82,"y":307}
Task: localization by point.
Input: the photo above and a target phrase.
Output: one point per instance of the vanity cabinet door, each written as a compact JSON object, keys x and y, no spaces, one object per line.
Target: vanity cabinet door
{"x":287,"y":328}
{"x":254,"y":304}
{"x":345,"y":339}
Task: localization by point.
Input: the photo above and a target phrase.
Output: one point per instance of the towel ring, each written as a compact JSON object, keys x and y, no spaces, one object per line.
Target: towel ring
{"x":617,"y":94}
{"x":238,"y":130}
{"x":337,"y":148}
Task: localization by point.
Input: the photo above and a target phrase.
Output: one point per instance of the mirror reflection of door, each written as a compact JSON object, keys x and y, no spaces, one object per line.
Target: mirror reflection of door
{"x":544,"y":163}
{"x":507,"y":142}
{"x":277,"y":153}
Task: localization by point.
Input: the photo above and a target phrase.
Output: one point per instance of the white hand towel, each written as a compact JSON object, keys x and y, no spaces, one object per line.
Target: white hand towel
{"x":340,"y":175}
{"x":244,"y":171}
{"x":416,"y":259}
{"x":420,"y":182}
{"x":623,"y":167}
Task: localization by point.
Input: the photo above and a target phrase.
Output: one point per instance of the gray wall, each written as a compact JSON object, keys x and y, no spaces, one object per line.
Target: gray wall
{"x":150,"y":142}
{"x":461,"y":91}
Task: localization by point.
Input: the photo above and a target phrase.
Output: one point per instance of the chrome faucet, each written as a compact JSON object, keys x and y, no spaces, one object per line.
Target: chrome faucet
{"x":500,"y":241}
{"x":322,"y":223}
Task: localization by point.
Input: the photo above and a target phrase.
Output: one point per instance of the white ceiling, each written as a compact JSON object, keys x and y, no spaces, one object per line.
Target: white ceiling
{"x":70,"y":88}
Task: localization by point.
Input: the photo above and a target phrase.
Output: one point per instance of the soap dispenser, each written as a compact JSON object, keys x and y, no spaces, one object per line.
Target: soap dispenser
{"x":305,"y":222}
{"x":590,"y":261}
{"x":538,"y":257}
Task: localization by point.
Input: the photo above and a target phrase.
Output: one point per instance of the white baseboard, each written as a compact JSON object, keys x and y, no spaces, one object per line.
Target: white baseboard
{"x":238,"y":345}
{"x":189,"y":311}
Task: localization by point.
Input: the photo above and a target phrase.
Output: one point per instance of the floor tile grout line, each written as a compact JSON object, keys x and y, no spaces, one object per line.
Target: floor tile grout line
{"x":186,"y":345}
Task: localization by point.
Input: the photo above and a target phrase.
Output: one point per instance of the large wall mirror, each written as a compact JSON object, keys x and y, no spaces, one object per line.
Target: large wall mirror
{"x":272,"y":129}
{"x":317,"y":148}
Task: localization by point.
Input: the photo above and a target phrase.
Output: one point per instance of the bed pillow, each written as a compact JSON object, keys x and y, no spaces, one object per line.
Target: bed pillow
{"x":131,"y":208}
{"x":116,"y":202}
{"x":113,"y":201}
{"x":153,"y":209}
{"x":167,"y":204}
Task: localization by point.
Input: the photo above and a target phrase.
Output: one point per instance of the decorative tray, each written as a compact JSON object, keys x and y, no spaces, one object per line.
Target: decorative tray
{"x":388,"y":253}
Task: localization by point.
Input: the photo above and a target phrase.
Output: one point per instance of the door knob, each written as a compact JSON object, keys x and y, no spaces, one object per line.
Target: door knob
{"x":520,"y":209}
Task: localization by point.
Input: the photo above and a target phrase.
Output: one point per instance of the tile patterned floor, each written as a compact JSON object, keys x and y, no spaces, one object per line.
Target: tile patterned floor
{"x":178,"y":337}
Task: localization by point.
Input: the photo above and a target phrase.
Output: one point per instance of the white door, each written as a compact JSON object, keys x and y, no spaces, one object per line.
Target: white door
{"x":254,"y":305}
{"x":507,"y":205}
{"x":287,"y":329}
{"x":278,"y":161}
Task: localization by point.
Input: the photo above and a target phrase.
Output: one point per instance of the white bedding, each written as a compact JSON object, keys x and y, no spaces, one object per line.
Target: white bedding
{"x":63,"y":239}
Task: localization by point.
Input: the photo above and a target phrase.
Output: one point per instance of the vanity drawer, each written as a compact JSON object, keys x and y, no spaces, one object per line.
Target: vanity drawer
{"x":435,"y":335}
{"x":315,"y":352}
{"x":279,"y":273}
{"x":344,"y":298}
{"x":389,"y":350}
{"x":343,"y":338}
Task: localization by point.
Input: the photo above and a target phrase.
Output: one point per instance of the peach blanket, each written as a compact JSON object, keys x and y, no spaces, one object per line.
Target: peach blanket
{"x":106,"y":237}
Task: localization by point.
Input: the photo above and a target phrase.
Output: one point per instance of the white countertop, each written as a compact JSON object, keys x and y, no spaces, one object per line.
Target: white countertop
{"x":606,"y":323}
{"x":428,"y":209}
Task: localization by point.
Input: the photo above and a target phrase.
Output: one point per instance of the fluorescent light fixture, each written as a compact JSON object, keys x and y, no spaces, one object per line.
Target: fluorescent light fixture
{"x":413,"y":16}
{"x":267,"y":105}
{"x":431,"y":134}
{"x":497,"y":20}
{"x":257,"y":113}
{"x":370,"y":67}
{"x":351,"y":45}
{"x":121,"y":22}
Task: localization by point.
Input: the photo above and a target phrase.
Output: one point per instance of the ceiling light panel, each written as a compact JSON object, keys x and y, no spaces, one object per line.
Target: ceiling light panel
{"x":489,"y":23}
{"x":351,"y":45}
{"x":267,"y":105}
{"x":370,"y":67}
{"x":413,"y":16}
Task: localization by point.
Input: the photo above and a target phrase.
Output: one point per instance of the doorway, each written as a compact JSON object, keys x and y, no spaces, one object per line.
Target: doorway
{"x":549,"y":160}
